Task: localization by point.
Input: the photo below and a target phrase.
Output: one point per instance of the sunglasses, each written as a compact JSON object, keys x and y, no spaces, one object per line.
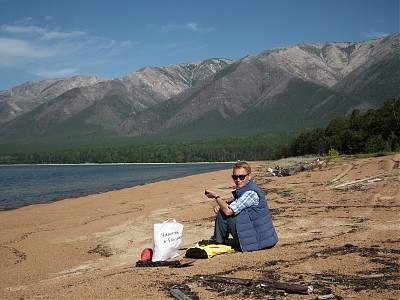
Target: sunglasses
{"x":241,"y":177}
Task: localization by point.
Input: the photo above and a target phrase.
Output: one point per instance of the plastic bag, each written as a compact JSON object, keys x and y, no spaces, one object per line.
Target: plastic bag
{"x":167,"y":239}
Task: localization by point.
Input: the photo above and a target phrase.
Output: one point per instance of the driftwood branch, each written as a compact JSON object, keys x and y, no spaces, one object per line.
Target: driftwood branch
{"x":290,"y":288}
{"x":353,"y":182}
{"x":347,"y":170}
{"x":178,"y":294}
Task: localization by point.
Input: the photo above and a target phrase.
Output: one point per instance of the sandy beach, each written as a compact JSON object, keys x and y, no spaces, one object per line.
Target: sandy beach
{"x":338,"y":229}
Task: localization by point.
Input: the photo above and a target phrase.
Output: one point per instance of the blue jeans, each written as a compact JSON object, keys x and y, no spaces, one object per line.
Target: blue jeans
{"x":225,"y":225}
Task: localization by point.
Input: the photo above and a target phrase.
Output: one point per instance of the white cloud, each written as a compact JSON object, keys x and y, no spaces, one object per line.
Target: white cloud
{"x":189,"y":26}
{"x":375,"y":34}
{"x":127,"y":44}
{"x":22,"y":44}
{"x":192,"y":26}
{"x":23,"y":49}
{"x":62,"y":35}
{"x":54,"y":52}
{"x":25,"y":21}
{"x":32,"y":30}
{"x":169,"y":27}
{"x":56,"y":73}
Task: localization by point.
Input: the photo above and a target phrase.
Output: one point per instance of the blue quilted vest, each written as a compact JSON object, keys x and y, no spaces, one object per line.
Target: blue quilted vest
{"x":254,"y":224}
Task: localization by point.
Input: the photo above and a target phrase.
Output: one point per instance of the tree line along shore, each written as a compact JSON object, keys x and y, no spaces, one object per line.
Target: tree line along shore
{"x":372,"y":131}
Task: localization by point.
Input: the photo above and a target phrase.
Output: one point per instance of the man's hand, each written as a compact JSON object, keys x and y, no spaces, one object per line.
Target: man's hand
{"x":210,"y":194}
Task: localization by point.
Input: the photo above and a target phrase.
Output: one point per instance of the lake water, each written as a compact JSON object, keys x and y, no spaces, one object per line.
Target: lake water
{"x":23,"y":185}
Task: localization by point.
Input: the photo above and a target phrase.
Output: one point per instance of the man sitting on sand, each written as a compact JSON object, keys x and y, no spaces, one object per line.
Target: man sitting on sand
{"x":246,"y":217}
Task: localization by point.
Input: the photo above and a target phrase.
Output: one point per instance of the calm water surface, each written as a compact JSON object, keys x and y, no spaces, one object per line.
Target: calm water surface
{"x":33,"y":184}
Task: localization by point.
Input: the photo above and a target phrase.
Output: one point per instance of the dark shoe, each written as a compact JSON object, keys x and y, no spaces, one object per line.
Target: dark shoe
{"x":211,"y":241}
{"x":205,"y":242}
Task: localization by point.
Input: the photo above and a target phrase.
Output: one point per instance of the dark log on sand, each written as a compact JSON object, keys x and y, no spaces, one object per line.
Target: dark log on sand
{"x":297,"y":168}
{"x":290,"y":288}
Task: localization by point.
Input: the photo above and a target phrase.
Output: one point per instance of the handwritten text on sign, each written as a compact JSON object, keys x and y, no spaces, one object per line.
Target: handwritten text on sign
{"x":170,"y":237}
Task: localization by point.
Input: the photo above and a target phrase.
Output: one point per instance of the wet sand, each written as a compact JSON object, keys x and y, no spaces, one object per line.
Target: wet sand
{"x":338,"y":227}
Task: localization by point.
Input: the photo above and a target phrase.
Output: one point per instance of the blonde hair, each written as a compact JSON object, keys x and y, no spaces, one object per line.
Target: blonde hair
{"x":242,"y":165}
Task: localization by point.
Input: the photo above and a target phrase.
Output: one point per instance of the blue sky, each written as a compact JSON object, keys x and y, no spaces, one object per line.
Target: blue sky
{"x":41,"y":39}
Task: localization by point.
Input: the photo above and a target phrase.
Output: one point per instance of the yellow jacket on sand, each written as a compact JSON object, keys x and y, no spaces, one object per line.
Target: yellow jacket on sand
{"x":206,"y":251}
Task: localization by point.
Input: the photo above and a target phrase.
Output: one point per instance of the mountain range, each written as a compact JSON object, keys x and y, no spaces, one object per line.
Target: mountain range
{"x":282,"y":89}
